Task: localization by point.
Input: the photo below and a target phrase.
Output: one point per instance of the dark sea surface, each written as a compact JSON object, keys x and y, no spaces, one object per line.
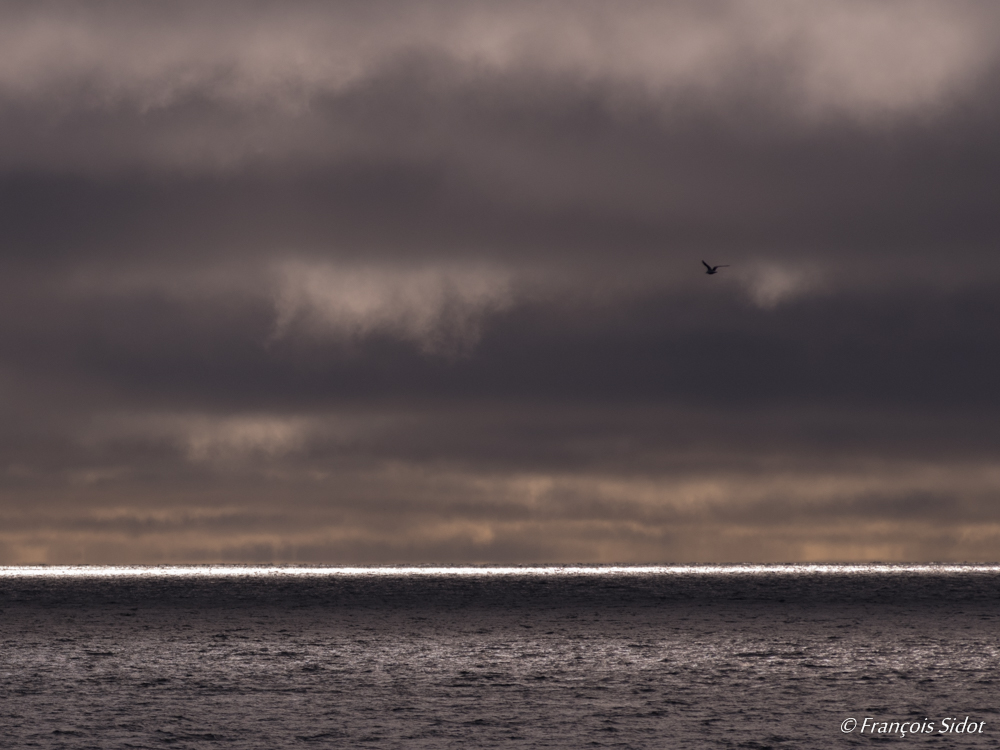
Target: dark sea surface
{"x":672,"y":657}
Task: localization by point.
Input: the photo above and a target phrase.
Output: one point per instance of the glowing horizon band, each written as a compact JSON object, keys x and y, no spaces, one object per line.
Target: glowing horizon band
{"x":233,"y":571}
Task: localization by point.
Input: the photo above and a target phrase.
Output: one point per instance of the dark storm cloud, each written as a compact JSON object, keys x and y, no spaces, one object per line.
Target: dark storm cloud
{"x":421,"y":281}
{"x":458,"y":129}
{"x":511,"y":177}
{"x":915,"y":348}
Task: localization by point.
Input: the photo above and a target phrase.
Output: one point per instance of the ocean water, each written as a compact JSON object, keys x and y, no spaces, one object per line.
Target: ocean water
{"x":586,"y":657}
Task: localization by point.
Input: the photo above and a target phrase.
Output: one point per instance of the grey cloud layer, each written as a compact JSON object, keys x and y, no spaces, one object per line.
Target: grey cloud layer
{"x":881,"y":56}
{"x":199,"y":87}
{"x":421,"y":281}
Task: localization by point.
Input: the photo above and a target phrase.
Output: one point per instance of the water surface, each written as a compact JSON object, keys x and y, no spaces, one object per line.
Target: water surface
{"x":630,"y":657}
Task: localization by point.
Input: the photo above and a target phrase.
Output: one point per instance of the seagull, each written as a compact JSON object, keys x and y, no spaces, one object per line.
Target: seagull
{"x":712,"y":269}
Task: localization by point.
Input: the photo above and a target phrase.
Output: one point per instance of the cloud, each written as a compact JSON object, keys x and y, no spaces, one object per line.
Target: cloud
{"x":213,"y":88}
{"x":233,"y":440}
{"x":439,"y":308}
{"x":244,"y":437}
{"x":853,"y":55}
{"x":770,"y":284}
{"x":420,"y":281}
{"x":406,"y":512}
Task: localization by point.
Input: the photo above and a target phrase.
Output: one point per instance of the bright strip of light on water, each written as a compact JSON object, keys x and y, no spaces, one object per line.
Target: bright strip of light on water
{"x":221,"y":571}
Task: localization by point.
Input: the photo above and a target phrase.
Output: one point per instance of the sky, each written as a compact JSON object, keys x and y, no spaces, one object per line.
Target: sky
{"x":421,"y":281}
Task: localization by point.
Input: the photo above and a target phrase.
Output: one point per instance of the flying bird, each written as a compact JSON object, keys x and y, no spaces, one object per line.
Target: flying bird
{"x":712,"y":269}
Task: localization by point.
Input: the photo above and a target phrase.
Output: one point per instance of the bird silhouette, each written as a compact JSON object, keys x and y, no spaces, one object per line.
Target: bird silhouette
{"x":712,"y":269}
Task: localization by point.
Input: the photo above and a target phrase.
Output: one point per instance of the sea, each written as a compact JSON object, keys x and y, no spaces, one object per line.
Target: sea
{"x":706,"y":656}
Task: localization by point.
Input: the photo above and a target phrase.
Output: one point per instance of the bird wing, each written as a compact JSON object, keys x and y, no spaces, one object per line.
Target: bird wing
{"x":706,"y":265}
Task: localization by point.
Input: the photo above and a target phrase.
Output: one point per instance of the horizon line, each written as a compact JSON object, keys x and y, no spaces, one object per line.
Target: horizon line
{"x":217,"y":570}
